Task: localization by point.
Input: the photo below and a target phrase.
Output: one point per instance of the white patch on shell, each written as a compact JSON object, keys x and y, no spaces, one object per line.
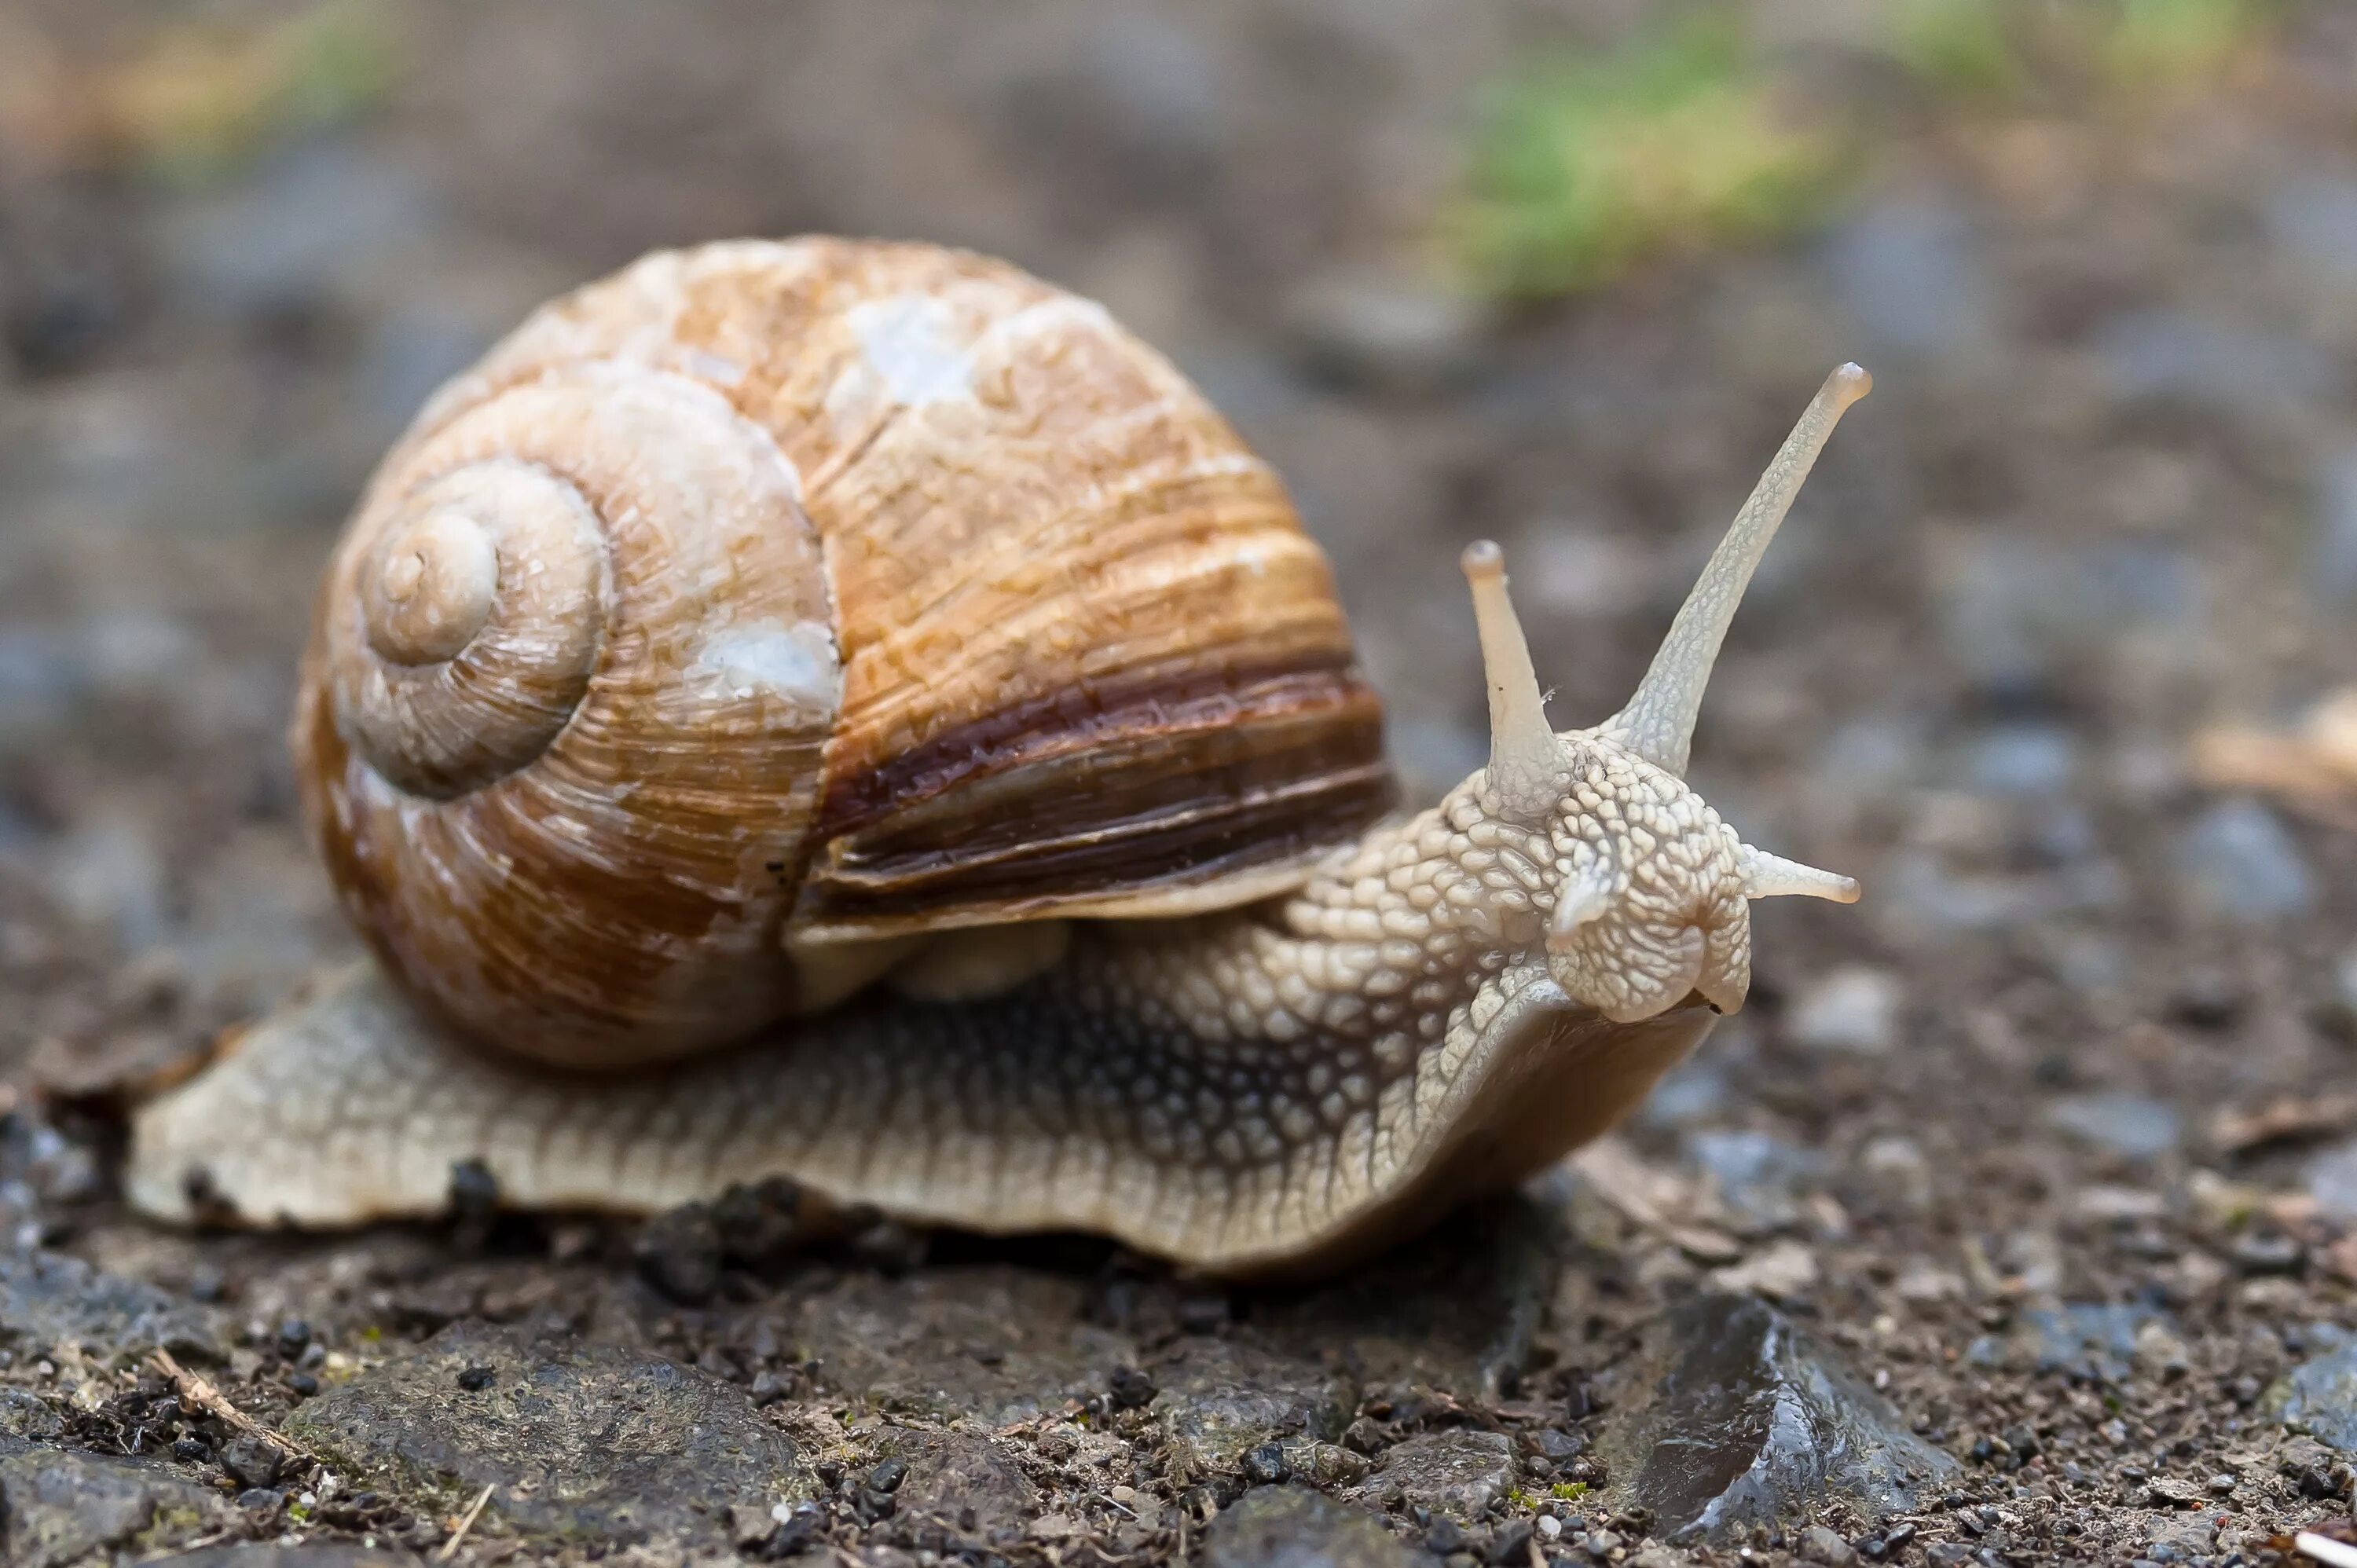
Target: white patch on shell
{"x":712,"y":368}
{"x":910,"y":341}
{"x":1048,"y":316}
{"x":796,"y":663}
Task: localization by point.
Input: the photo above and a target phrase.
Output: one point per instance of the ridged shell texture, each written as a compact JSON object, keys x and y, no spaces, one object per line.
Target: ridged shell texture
{"x":850,"y":588}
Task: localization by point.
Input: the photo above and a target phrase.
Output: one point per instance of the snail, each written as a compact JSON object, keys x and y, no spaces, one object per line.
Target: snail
{"x":849,"y":713}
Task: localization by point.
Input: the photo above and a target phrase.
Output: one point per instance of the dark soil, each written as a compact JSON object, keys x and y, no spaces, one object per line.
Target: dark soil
{"x":2042,"y":1155}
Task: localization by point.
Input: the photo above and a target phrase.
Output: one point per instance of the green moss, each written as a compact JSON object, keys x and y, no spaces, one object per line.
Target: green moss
{"x":2012,"y":50}
{"x":1582,"y":169}
{"x":1959,"y":48}
{"x":1569,"y":1491}
{"x":2157,"y":39}
{"x":200,"y":98}
{"x":167,"y":1529}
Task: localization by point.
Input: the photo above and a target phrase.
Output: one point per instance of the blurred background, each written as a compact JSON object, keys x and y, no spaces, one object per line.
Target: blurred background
{"x":2045,"y":656}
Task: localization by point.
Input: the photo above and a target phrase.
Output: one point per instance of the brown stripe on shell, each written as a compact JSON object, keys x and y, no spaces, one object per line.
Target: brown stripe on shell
{"x":1170,"y":783}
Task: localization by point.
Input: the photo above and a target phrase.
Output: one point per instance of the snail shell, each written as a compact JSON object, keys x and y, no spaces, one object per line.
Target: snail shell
{"x":814,"y":593}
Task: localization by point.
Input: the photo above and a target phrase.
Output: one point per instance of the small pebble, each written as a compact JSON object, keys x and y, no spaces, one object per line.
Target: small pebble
{"x":1512,"y":1546}
{"x":1854,"y":1010}
{"x":1550,"y":1527}
{"x":2268,"y":1252}
{"x":473,"y":1200}
{"x":1821,"y":1545}
{"x":1265,"y":1465}
{"x":1131,"y":1389}
{"x":251,"y":1462}
{"x":678,"y":1252}
{"x":886,"y":1478}
{"x":1203,"y":1313}
{"x":303,"y":1384}
{"x":475,"y":1380}
{"x":1446,"y":1538}
{"x":2206,"y":999}
{"x":258,"y":1499}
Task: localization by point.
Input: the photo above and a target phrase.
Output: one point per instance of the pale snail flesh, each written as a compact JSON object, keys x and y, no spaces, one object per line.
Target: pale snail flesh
{"x":850,"y":713}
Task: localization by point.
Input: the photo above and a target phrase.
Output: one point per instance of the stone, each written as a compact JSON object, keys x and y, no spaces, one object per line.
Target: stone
{"x":1758,"y":1177}
{"x":47,"y":1300}
{"x":2022,"y":761}
{"x":2017,"y":611}
{"x":574,"y":1439}
{"x":2319,"y":1396}
{"x":909,"y":1344}
{"x":58,"y":1506}
{"x":2238,"y":862}
{"x":2135,"y":1126}
{"x":1386,"y":333}
{"x":1454,"y":1309}
{"x":950,"y":1473}
{"x":1694,"y":1092}
{"x":1731,"y":1416}
{"x":1293,"y":1527}
{"x":251,"y":1462}
{"x":23,"y":1413}
{"x":678,"y":1252}
{"x":1819,"y":1544}
{"x":2333,"y":1181}
{"x":1457,"y":1473}
{"x":1854,"y":1010}
{"x":2095,"y":1341}
{"x":1893,"y":1174}
{"x":1226,"y":1399}
{"x":1780,"y":1271}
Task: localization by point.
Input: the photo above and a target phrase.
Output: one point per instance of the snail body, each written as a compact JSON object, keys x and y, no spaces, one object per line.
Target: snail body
{"x":851,"y":713}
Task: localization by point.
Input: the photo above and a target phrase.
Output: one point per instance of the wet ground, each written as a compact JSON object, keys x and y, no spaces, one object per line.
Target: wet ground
{"x":2016,"y":1218}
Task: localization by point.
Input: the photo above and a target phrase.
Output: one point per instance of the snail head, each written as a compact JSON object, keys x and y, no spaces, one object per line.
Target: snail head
{"x":1650,"y":888}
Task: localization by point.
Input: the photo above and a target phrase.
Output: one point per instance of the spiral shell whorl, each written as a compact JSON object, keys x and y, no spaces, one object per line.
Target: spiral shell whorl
{"x":477,"y":615}
{"x":430,"y":588}
{"x":574,"y":669}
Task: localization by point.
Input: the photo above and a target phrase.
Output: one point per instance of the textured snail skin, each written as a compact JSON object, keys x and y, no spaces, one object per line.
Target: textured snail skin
{"x":848,"y":713}
{"x":1247,"y":1092}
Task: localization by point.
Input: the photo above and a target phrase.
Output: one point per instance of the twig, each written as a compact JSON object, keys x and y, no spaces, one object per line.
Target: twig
{"x":450,"y":1547}
{"x":209,"y":1398}
{"x":2324,"y":1548}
